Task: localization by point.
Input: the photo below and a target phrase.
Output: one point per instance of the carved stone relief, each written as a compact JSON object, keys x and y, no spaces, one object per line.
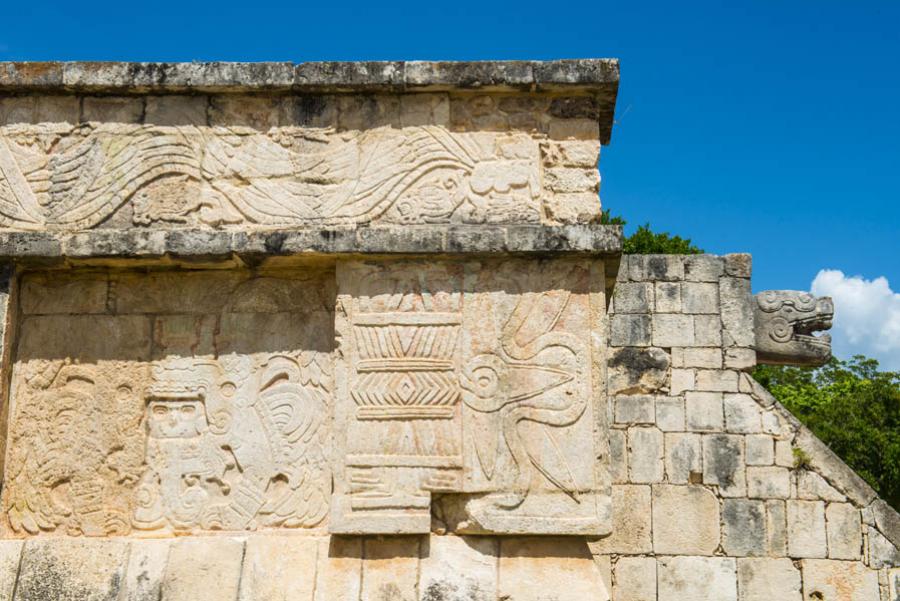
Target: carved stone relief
{"x":171,"y":415}
{"x":785,"y":324}
{"x":78,"y":178}
{"x":467,"y":393}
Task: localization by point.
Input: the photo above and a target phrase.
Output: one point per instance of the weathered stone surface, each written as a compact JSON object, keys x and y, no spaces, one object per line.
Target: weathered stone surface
{"x":339,"y":569}
{"x":455,"y":568}
{"x":637,"y":370}
{"x":632,"y":527}
{"x":635,"y":409}
{"x":762,"y":579}
{"x":279,"y":568}
{"x":742,"y":414}
{"x":844,"y":531}
{"x":704,"y":411}
{"x":839,"y":580}
{"x":776,"y":528}
{"x":10,"y":556}
{"x":760,"y":450}
{"x":882,"y":553}
{"x":723,"y":464}
{"x":203,"y":568}
{"x":645,"y":455}
{"x":630,"y":330}
{"x":768,"y":482}
{"x":391,"y":568}
{"x":635,"y":579}
{"x":695,"y":578}
{"x":745,"y":527}
{"x":806,"y":529}
{"x":737,"y":312}
{"x":684,"y":458}
{"x":685,"y":520}
{"x":71,"y":570}
{"x":549,"y":569}
{"x":147,"y":561}
{"x":670,"y":414}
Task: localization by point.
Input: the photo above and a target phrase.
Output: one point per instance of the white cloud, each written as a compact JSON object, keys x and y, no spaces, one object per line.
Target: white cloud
{"x":866,"y":316}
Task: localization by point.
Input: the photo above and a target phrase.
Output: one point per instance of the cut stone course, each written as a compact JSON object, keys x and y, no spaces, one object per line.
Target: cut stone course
{"x":685,"y":520}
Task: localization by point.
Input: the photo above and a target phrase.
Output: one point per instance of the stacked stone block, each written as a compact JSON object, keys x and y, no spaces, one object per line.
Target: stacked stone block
{"x":717,"y":489}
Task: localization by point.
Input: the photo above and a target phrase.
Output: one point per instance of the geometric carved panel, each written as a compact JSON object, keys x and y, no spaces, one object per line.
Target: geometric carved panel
{"x":468,"y":398}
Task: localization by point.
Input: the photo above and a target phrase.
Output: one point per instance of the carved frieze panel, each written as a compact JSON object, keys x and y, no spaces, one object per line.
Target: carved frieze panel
{"x":172,"y":403}
{"x":122,"y":175}
{"x":467,"y":398}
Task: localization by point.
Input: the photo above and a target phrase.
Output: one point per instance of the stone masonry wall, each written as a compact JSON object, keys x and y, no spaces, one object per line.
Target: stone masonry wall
{"x":718,"y":492}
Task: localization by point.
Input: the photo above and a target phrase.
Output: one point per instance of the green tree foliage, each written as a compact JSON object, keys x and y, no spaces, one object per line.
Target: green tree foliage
{"x":854,"y":408}
{"x":645,"y":241}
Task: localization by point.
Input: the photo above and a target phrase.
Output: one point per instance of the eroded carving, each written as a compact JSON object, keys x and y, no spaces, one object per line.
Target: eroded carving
{"x":785,"y":323}
{"x":219,"y":176}
{"x":488,"y":366}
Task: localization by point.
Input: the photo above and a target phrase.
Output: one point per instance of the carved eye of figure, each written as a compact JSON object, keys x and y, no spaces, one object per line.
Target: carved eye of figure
{"x":160,"y":410}
{"x":228,"y":389}
{"x":188,"y":410}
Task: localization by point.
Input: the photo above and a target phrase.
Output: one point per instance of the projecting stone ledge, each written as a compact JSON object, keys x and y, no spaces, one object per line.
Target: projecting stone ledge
{"x":396,"y":240}
{"x":592,"y":75}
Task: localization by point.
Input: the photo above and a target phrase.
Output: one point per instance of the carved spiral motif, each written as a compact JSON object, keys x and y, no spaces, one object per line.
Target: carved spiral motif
{"x":780,"y":329}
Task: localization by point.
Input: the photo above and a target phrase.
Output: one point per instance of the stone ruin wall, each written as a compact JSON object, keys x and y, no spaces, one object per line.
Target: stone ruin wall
{"x":353,"y":331}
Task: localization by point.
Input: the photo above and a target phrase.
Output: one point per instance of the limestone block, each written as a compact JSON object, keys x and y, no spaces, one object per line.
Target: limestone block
{"x":549,"y":569}
{"x":632,"y":297}
{"x":685,"y":520}
{"x":784,"y":453}
{"x":670,"y":414}
{"x":717,"y":380}
{"x":176,"y":110}
{"x":71,"y":569}
{"x":668,"y":297}
{"x":572,"y":208}
{"x":61,"y":110}
{"x":116,"y":109}
{"x":763,"y":579}
{"x":708,"y":331}
{"x":744,"y":527}
{"x":254,"y":112}
{"x":682,"y":379}
{"x":570,"y":153}
{"x":579,"y":129}
{"x":838,"y":580}
{"x":629,"y":330}
{"x":618,"y":456}
{"x":709,"y":358}
{"x":635,"y":579}
{"x":569,"y":179}
{"x":684,"y":458}
{"x":844,"y":531}
{"x":635,"y":409}
{"x":645,"y":454}
{"x":279,"y":568}
{"x":146,"y":569}
{"x":703,"y":268}
{"x":700,"y":297}
{"x":695,"y":578}
{"x":768,"y":482}
{"x":204,"y":568}
{"x":776,"y":528}
{"x":723,"y":464}
{"x":391,"y":568}
{"x":742,"y":414}
{"x":10,"y":555}
{"x":704,"y":411}
{"x":813,"y":487}
{"x":739,"y":265}
{"x":339,"y":569}
{"x":737,"y":310}
{"x":760,"y":449}
{"x":882,"y":553}
{"x":636,"y":370}
{"x":631,"y":531}
{"x":806,"y":529}
{"x":743,"y":359}
{"x":672,"y":330}
{"x":667,"y":268}
{"x":455,"y":568}
{"x":45,"y":293}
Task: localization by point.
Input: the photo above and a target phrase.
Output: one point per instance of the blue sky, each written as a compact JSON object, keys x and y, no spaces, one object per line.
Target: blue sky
{"x":765,"y":127}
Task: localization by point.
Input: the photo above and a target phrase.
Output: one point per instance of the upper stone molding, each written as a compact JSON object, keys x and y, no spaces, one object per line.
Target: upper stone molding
{"x":600,"y":76}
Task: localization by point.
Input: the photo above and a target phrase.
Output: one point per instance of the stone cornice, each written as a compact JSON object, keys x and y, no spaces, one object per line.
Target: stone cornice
{"x":592,"y":76}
